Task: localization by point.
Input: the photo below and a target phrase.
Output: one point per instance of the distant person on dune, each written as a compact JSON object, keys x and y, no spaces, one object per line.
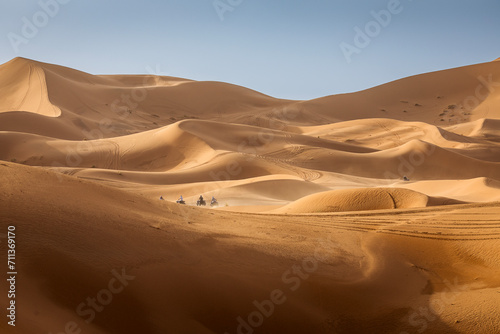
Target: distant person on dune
{"x":161,"y":198}
{"x":201,"y":202}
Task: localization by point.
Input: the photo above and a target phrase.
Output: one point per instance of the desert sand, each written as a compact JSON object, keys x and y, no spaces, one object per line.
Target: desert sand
{"x":370,"y":212}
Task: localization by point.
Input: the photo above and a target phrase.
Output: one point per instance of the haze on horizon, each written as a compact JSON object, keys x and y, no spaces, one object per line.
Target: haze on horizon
{"x":286,"y":49}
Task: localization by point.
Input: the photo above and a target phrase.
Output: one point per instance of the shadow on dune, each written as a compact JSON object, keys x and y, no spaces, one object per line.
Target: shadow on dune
{"x":210,"y":285}
{"x":68,"y":283}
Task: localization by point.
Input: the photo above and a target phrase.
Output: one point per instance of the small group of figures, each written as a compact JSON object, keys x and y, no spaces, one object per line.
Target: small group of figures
{"x":200,"y":202}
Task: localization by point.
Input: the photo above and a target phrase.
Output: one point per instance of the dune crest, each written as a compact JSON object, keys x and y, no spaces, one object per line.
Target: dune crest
{"x":361,"y":199}
{"x":23,"y":88}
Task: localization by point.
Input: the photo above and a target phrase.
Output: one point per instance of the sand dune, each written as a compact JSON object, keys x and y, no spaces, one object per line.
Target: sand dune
{"x":132,"y":103}
{"x":199,"y":149}
{"x":362,"y":200}
{"x":381,"y":133}
{"x":486,"y":129}
{"x":23,"y":88}
{"x":138,"y":103}
{"x":452,"y":93}
{"x":475,"y":190}
{"x":314,"y":211}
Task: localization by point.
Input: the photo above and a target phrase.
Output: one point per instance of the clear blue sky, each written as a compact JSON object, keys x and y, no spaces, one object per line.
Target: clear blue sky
{"x":288,"y":49}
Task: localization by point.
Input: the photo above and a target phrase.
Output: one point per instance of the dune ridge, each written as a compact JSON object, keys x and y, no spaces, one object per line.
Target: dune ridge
{"x":23,"y":88}
{"x":362,"y":199}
